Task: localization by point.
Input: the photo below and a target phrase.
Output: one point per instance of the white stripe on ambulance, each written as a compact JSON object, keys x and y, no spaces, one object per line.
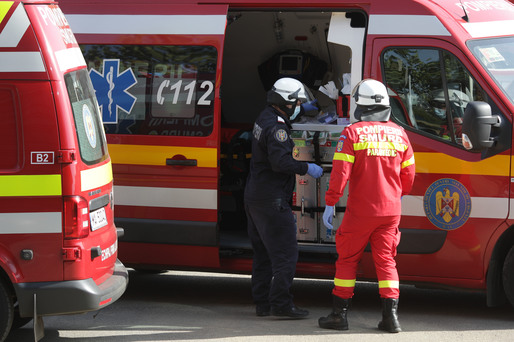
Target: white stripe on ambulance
{"x":414,"y":25}
{"x":10,"y":36}
{"x":490,"y":28}
{"x":481,"y":207}
{"x":147,"y":24}
{"x":30,"y":223}
{"x":15,"y":28}
{"x":21,"y":62}
{"x":70,"y":59}
{"x":166,"y":197}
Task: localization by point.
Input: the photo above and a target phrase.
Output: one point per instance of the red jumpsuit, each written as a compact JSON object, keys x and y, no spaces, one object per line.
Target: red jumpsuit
{"x":377,"y":160}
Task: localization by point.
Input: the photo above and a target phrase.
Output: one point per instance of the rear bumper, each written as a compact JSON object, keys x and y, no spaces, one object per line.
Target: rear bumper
{"x":74,"y":296}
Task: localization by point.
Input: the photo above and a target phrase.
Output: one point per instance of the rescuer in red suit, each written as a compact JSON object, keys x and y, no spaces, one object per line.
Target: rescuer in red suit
{"x":375,"y":156}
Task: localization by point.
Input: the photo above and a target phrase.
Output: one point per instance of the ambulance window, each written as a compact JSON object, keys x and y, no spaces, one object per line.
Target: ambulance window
{"x":8,"y":131}
{"x":497,"y":57}
{"x":88,"y":125}
{"x":429,"y":90}
{"x":154,"y":90}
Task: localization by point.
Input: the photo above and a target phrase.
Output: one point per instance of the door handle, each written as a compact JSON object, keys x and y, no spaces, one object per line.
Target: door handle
{"x":181,"y":162}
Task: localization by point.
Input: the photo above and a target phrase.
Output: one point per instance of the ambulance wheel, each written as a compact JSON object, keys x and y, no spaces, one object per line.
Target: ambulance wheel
{"x":508,"y":276}
{"x":6,"y":310}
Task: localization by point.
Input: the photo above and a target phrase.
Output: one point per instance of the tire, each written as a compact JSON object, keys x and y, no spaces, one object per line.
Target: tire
{"x":6,"y":310}
{"x":508,"y":276}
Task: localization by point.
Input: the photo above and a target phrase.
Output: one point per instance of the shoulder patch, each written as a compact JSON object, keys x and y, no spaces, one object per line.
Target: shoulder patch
{"x":257,"y":131}
{"x":281,"y":135}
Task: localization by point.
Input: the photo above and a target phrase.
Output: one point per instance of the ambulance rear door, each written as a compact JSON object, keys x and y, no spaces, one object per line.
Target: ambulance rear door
{"x":30,"y":177}
{"x":156,"y":72}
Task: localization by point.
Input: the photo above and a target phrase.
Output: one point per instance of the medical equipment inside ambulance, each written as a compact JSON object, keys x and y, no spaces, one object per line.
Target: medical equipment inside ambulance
{"x":315,"y":132}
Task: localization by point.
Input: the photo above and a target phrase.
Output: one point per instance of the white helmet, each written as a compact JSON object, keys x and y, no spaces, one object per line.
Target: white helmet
{"x":286,"y":91}
{"x":370,"y":92}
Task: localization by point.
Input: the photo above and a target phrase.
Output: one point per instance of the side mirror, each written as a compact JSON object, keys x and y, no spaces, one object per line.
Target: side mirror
{"x":476,"y":126}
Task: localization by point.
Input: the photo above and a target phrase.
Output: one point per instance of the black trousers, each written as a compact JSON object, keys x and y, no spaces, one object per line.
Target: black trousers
{"x":272,"y":231}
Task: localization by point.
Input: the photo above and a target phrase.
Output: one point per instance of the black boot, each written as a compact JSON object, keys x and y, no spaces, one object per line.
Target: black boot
{"x":389,"y":320}
{"x":337,"y":319}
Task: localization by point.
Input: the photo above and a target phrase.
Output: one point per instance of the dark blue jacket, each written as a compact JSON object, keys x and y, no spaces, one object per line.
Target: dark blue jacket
{"x":272,"y":168}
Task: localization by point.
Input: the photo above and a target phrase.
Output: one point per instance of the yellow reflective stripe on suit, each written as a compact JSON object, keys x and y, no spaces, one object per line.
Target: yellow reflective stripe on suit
{"x":408,"y":162}
{"x":344,"y":282}
{"x":344,"y":157}
{"x":391,"y":284}
{"x":380,"y":145}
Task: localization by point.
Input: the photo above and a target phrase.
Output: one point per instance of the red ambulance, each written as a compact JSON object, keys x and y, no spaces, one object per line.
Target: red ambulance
{"x":180,"y":84}
{"x":58,"y":246}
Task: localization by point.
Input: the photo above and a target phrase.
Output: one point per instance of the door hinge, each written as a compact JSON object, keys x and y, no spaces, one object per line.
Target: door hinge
{"x":65,"y":156}
{"x":71,"y":253}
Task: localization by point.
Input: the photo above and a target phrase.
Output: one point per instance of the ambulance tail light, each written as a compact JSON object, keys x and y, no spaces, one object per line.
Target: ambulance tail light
{"x":76,"y":217}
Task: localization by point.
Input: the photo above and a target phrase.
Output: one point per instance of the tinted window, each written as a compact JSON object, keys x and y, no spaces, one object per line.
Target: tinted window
{"x":88,"y":125}
{"x":430,"y":89}
{"x":154,"y":90}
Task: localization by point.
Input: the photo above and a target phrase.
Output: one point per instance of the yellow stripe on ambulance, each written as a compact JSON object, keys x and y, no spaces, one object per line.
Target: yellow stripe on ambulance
{"x":30,"y":185}
{"x":157,"y":155}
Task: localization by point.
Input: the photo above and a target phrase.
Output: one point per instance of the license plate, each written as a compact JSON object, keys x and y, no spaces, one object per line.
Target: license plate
{"x":98,"y":219}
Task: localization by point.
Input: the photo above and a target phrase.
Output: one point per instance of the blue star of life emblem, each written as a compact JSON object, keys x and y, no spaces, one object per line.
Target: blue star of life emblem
{"x":111,"y":89}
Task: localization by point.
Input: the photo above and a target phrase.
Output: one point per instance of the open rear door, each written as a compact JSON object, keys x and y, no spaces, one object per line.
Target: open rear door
{"x":344,"y":33}
{"x":156,"y":71}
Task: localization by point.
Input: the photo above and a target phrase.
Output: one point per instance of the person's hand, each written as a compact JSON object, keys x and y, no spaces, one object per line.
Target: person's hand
{"x":328,"y":216}
{"x":315,"y":171}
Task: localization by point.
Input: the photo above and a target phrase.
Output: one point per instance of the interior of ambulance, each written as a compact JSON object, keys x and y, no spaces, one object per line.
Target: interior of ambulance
{"x":282,"y":44}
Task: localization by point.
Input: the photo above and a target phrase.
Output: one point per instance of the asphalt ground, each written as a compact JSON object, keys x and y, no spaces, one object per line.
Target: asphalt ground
{"x":195,"y":306}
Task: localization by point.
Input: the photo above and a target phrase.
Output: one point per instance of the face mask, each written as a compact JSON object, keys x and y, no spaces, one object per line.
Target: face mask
{"x":295,"y":114}
{"x":440,"y":112}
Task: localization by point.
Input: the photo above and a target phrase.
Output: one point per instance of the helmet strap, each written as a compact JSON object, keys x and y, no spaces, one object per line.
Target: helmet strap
{"x":283,"y":113}
{"x":287,"y":111}
{"x":372,"y":113}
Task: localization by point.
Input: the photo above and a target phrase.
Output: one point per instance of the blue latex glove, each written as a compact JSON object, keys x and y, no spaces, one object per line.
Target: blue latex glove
{"x":328,"y":216}
{"x":315,"y":171}
{"x":307,"y":106}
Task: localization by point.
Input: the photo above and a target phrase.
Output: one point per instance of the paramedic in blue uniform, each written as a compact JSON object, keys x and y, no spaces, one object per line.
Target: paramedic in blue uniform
{"x":268,"y":197}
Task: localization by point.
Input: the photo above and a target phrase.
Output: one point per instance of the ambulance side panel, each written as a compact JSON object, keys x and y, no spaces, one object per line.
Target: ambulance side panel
{"x":168,"y":166}
{"x":29,"y":140}
{"x":165,"y":156}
